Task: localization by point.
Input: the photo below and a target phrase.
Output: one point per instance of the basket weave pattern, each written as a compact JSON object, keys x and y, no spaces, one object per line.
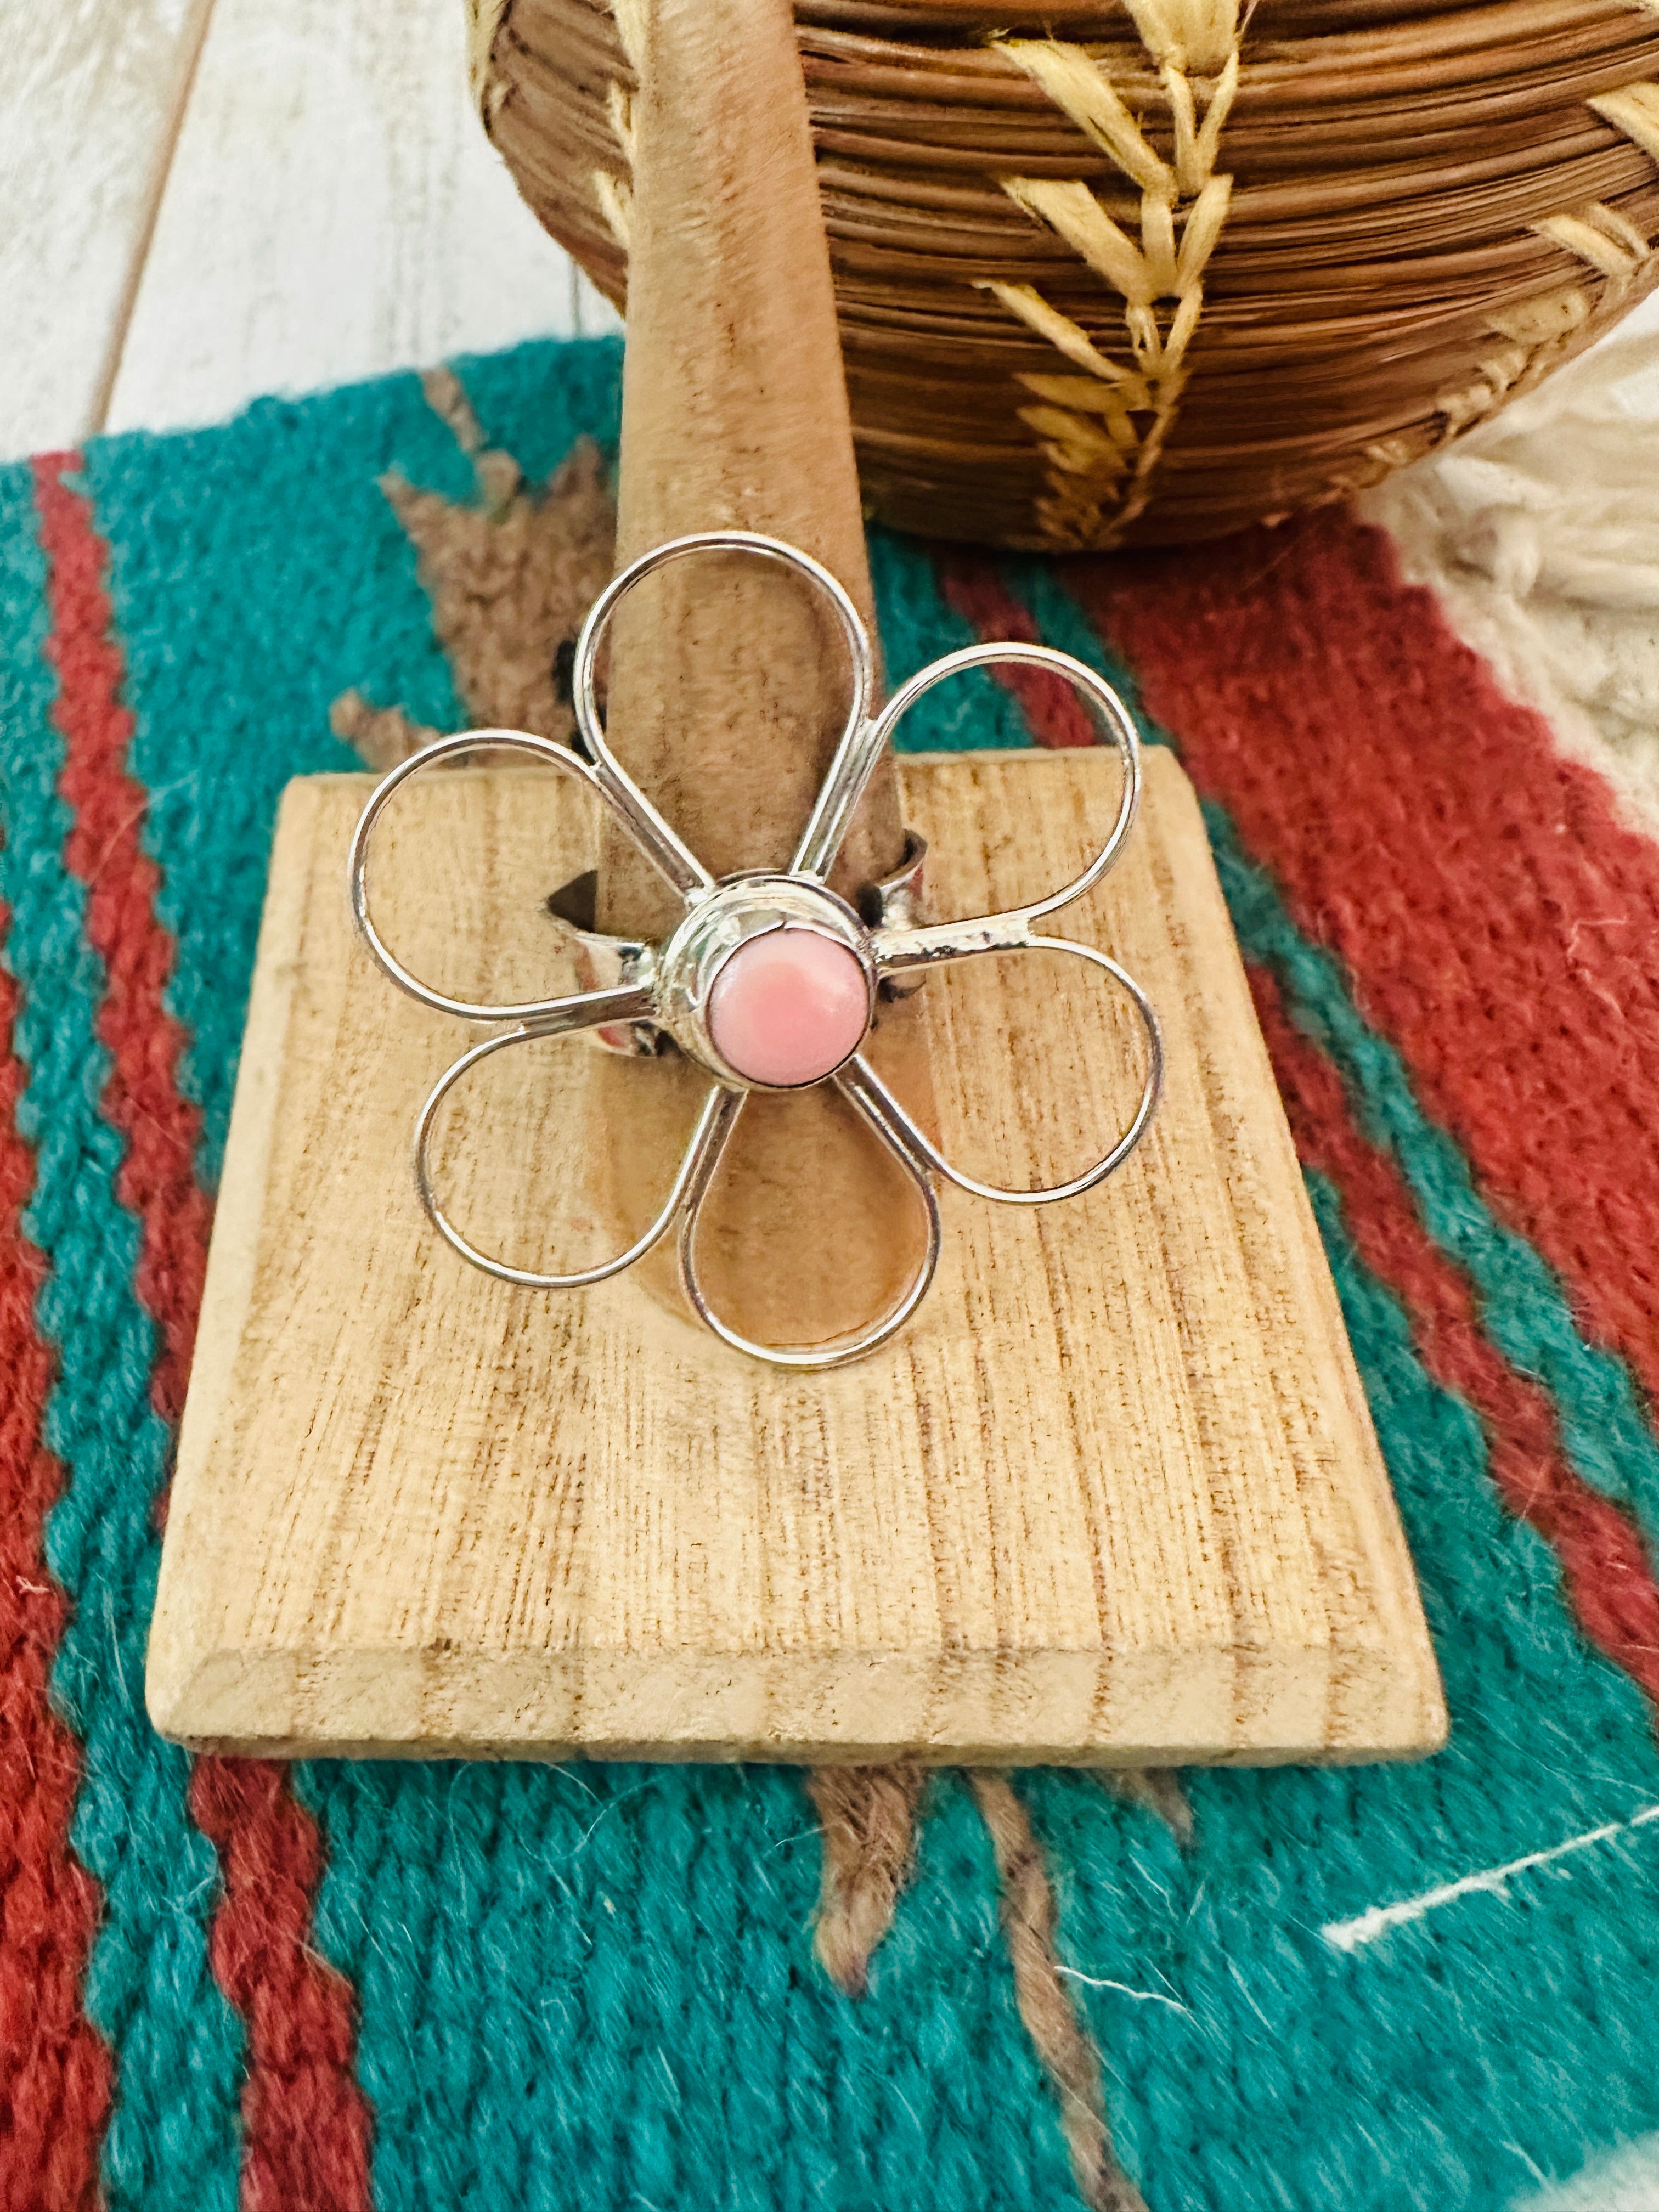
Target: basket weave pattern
{"x":1111,"y":275}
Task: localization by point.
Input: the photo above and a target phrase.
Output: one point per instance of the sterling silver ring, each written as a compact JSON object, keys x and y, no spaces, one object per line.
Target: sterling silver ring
{"x":769,"y":980}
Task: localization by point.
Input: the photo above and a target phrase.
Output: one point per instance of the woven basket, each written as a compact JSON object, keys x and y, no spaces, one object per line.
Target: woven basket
{"x":1143,"y":273}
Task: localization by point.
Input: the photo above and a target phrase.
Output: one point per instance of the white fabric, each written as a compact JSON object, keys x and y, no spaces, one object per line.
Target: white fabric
{"x":1627,"y":2181}
{"x":1539,"y":533}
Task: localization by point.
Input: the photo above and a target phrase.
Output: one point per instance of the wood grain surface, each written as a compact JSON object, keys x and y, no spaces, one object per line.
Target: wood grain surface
{"x":331,"y":211}
{"x":90,"y":100}
{"x":208,"y":199}
{"x":1114,"y":1498}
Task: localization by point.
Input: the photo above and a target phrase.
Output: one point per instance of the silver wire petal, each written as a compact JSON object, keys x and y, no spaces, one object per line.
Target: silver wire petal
{"x":606,"y":1006}
{"x":864,"y":1089}
{"x":897,"y":949}
{"x":706,"y":1133}
{"x":919,"y":1141}
{"x":651,"y":830}
{"x":902,"y":951}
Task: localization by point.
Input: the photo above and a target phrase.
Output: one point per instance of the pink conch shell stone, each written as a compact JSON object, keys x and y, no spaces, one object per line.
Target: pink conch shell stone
{"x":787,"y":1008}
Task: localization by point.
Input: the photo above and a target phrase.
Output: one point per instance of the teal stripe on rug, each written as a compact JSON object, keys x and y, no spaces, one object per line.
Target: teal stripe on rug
{"x":1260,"y":2064}
{"x":1522,"y":1304}
{"x":969,"y":712}
{"x":594,"y":1987}
{"x":257,"y":572}
{"x":172,"y":2139}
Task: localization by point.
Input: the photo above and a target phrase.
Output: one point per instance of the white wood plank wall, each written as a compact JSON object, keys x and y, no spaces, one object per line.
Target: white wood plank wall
{"x":202,"y":200}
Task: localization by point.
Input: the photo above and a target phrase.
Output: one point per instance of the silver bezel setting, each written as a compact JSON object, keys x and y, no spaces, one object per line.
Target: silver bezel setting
{"x":743,"y":908}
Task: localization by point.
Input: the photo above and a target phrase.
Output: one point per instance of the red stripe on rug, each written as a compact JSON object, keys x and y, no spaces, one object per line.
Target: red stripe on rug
{"x":54,"y":2067}
{"x":1609,"y":1584}
{"x":308,"y":2120}
{"x":306,"y":2117}
{"x":157,"y":1181}
{"x":1496,"y":914}
{"x":971,"y":587}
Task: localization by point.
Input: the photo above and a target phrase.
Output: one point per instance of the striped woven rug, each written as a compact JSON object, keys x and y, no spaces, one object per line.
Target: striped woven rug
{"x":728,"y":1990}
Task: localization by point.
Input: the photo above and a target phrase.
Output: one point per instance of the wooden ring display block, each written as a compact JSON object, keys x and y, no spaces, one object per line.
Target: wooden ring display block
{"x":1114,"y":1498}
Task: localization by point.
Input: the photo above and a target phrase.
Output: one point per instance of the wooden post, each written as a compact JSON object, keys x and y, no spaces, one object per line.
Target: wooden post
{"x":728,"y":688}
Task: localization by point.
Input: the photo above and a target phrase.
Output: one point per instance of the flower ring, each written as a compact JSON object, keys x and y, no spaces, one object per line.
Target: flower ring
{"x":769,"y":980}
